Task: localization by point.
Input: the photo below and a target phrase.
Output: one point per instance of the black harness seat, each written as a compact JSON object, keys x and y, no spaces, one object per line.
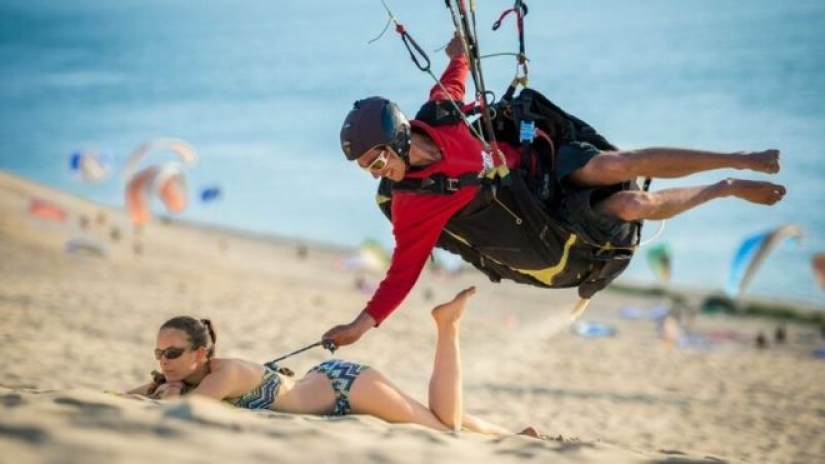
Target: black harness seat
{"x":511,"y":229}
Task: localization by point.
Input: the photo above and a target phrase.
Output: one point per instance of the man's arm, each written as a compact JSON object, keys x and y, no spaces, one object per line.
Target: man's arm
{"x":455,"y":76}
{"x":418,"y":222}
{"x":417,"y":226}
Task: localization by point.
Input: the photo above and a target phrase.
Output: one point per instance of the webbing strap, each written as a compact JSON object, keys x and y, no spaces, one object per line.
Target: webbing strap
{"x":439,"y":184}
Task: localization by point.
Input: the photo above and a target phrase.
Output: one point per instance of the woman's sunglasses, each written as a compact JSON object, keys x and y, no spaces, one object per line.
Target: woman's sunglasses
{"x":380,"y":161}
{"x":172,"y":352}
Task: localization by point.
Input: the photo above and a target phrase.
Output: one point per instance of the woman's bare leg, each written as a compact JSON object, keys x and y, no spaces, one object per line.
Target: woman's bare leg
{"x":478,"y":425}
{"x":374,"y":394}
{"x":445,"y":382}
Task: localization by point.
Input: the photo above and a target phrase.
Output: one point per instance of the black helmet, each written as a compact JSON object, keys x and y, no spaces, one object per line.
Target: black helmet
{"x":372,"y":122}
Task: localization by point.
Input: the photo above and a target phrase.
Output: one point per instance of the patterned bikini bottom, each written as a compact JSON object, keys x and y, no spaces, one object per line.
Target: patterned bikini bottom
{"x":342,"y":375}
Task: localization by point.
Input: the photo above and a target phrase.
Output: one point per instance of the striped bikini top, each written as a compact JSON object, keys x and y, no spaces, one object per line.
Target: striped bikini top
{"x":262,"y":396}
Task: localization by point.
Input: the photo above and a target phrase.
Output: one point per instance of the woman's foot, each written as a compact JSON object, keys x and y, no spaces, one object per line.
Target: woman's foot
{"x":451,"y":312}
{"x":530,"y":432}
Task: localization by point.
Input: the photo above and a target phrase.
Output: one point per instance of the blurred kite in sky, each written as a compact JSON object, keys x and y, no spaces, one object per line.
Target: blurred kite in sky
{"x":213,"y":192}
{"x":752,"y":252}
{"x":183,"y":151}
{"x":90,"y":166}
{"x":660,"y":261}
{"x":45,"y":209}
{"x":164,"y":180}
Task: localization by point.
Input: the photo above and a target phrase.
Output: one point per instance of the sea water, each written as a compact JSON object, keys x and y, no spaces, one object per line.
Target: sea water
{"x":260,"y":88}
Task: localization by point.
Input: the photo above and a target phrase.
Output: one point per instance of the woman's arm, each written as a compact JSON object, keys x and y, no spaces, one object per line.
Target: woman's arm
{"x":145,"y":389}
{"x":162,"y":391}
{"x":168,"y":390}
{"x":150,"y":388}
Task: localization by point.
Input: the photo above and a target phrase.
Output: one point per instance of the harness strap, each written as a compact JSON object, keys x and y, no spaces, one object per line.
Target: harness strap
{"x":439,"y":184}
{"x":520,"y":10}
{"x":524,"y":119}
{"x":464,"y":21}
{"x":413,"y":48}
{"x":327,"y":344}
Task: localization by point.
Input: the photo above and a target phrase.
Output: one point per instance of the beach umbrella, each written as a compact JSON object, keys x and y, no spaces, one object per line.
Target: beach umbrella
{"x":752,"y":252}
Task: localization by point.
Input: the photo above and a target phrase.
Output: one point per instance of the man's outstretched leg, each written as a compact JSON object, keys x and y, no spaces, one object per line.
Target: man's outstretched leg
{"x":608,"y":168}
{"x":664,"y":204}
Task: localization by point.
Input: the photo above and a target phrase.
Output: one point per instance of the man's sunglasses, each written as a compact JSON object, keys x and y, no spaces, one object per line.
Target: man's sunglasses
{"x":172,"y":352}
{"x":380,"y":161}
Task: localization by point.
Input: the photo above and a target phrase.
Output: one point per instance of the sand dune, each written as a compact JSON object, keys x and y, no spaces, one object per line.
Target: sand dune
{"x":93,"y":427}
{"x":81,"y":298}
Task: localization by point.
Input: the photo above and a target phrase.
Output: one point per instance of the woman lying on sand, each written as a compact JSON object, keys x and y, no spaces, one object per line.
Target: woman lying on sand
{"x":186,"y":349}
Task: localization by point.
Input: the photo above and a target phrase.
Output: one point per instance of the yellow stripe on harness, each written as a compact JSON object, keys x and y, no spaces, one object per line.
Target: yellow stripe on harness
{"x":544,"y":276}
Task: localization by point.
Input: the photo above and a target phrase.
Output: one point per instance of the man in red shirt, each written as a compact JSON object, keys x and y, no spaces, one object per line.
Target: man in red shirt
{"x":379,"y":138}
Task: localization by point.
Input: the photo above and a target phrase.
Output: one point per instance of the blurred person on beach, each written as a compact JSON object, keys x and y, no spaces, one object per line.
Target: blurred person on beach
{"x":380,"y":139}
{"x":185,"y":350}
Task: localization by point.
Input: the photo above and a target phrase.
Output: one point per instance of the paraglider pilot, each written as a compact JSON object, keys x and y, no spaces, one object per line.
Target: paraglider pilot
{"x":382,"y":142}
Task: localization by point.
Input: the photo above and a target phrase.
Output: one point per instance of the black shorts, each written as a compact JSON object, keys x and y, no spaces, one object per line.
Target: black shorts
{"x":577,"y":211}
{"x":572,"y":156}
{"x":577,"y":204}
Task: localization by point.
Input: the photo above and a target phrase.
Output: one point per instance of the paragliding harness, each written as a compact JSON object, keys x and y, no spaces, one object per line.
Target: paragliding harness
{"x":512,"y":228}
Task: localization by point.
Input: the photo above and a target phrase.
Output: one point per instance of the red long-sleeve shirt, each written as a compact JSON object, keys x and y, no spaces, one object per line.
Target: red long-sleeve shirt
{"x":419,"y":219}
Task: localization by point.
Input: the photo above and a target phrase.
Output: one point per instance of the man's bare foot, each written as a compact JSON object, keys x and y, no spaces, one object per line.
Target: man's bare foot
{"x":452,"y":311}
{"x":766,"y":161}
{"x":763,"y":193}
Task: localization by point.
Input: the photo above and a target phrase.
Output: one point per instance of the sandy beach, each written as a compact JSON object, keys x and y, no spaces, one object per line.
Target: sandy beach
{"x":82,"y":295}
